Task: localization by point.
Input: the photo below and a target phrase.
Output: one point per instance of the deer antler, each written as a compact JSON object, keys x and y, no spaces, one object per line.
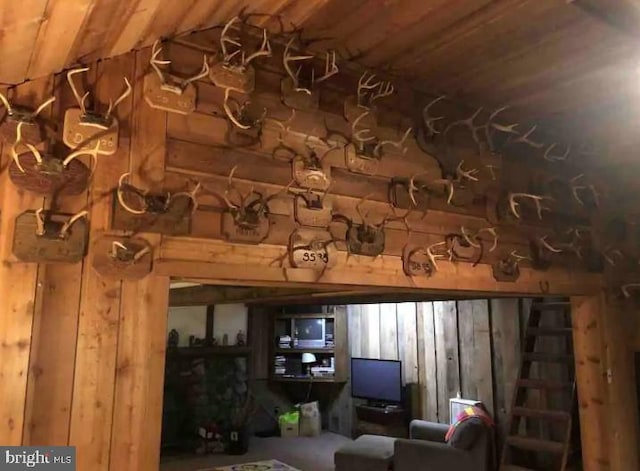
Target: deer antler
{"x":191,"y":195}
{"x":543,"y":241}
{"x":447,"y":183}
{"x":575,"y":189}
{"x":295,"y":76}
{"x":264,"y":51}
{"x":91,"y":152}
{"x":556,"y":158}
{"x":625,"y":289}
{"x":399,"y":144}
{"x":607,"y":255}
{"x":24,"y":115}
{"x":524,"y":139}
{"x":6,"y":104}
{"x":64,"y":230}
{"x":230,"y":114}
{"x":364,"y":217}
{"x":492,"y":172}
{"x":174,"y":84}
{"x":330,"y":67}
{"x":79,"y":99}
{"x":429,"y":121}
{"x":518,"y":258}
{"x":493,"y":126}
{"x":468,"y":174}
{"x":537,"y":199}
{"x":370,"y":90}
{"x":121,"y":184}
{"x":476,"y":237}
{"x":39,"y":222}
{"x":115,"y":245}
{"x":361,"y":135}
{"x":14,"y":148}
{"x":433,"y":257}
{"x":413,"y":187}
{"x":469,"y":124}
{"x":113,"y":105}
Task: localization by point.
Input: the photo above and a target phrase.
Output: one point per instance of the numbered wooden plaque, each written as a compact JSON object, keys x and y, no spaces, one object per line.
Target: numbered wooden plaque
{"x":242,"y":82}
{"x":416,"y":262}
{"x":28,"y":246}
{"x":311,"y":248}
{"x":245,"y":233}
{"x":122,"y":266}
{"x":310,"y":210}
{"x":167,"y":100}
{"x":82,"y":135}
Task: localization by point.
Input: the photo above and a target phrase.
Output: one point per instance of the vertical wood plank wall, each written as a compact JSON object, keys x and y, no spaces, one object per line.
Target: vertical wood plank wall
{"x":471,"y":347}
{"x":82,"y":357}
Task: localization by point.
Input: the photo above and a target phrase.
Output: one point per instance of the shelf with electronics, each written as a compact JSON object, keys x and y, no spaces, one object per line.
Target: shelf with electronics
{"x":309,"y":346}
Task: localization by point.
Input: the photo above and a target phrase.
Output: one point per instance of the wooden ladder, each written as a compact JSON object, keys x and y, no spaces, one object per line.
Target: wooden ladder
{"x":539,"y":433}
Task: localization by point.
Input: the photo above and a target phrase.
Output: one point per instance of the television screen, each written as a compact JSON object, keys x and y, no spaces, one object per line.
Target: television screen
{"x":376,"y":380}
{"x":309,"y":329}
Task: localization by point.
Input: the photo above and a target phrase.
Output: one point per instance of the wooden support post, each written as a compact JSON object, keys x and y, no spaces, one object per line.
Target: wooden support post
{"x":587,"y":318}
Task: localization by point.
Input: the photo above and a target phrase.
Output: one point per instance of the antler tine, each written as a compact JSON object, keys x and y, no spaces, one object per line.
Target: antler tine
{"x":141,"y":253}
{"x":625,"y":289}
{"x":537,"y":199}
{"x":469,"y":174}
{"x":203,"y":73}
{"x":365,"y":85}
{"x":91,"y":152}
{"x":361,"y":135}
{"x":43,"y":106}
{"x":330,"y":67}
{"x":359,"y":209}
{"x":543,"y":241}
{"x":449,"y":185}
{"x":491,"y":171}
{"x":606,"y":254}
{"x":230,"y":114}
{"x":155,"y":62}
{"x":413,"y":187}
{"x":79,"y":99}
{"x":113,"y":105}
{"x":265,"y":50}
{"x":191,"y":195}
{"x":469,"y":238}
{"x":72,"y":220}
{"x":39,"y":222}
{"x":468,"y":123}
{"x":494,"y":233}
{"x":384,"y":89}
{"x":507,"y":128}
{"x":576,"y":188}
{"x":430,"y":120}
{"x":115,"y":245}
{"x":433,"y":257}
{"x":518,"y":258}
{"x":286,"y":59}
{"x":524,"y":139}
{"x":224,"y":39}
{"x":231,"y":186}
{"x":377,"y":151}
{"x":6,"y":103}
{"x":121,"y":196}
{"x":556,"y":158}
{"x":14,"y":148}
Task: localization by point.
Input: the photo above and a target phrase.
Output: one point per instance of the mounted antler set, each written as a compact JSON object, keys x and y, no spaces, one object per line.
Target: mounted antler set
{"x":423,"y":261}
{"x":25,"y":118}
{"x":84,"y":125}
{"x":122,"y":258}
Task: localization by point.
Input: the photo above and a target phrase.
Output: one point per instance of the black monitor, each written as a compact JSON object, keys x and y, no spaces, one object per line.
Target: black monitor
{"x":379,"y":381}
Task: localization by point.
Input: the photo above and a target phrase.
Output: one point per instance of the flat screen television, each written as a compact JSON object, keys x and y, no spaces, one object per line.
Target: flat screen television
{"x":308,"y":332}
{"x":379,"y":381}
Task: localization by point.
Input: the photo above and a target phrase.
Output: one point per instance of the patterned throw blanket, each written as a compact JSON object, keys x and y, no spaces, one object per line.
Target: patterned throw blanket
{"x":466,"y":414}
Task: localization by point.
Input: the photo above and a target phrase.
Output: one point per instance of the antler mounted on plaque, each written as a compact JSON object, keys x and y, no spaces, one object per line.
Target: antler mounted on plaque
{"x":43,"y":236}
{"x":83,"y":126}
{"x":366,"y":238}
{"x":45,"y":174}
{"x":122,"y":258}
{"x":168,"y":92}
{"x":308,"y":169}
{"x":368,"y":92}
{"x":140,"y":211}
{"x":299,"y":89}
{"x":509,"y":207}
{"x":311,"y":248}
{"x":246,"y":121}
{"x":422,"y":261}
{"x":508,"y":268}
{"x":232,"y":67}
{"x":26,"y":118}
{"x":312,"y":208}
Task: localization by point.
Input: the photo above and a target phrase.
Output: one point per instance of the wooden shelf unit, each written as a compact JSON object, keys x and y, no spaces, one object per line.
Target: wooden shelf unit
{"x":237,"y":350}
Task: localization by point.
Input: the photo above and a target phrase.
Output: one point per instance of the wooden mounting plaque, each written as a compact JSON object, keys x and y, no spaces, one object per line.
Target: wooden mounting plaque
{"x":244,"y":234}
{"x":310,"y":178}
{"x":233,"y":80}
{"x":175,"y":221}
{"x":78,"y":135}
{"x":311,"y":248}
{"x":359,"y":164}
{"x":415,"y":262}
{"x":360,"y":247}
{"x":165,"y":100}
{"x":352,"y":111}
{"x":110,"y":267}
{"x":461,"y":250}
{"x":307,"y":214}
{"x":400,"y":198}
{"x":505,"y":271}
{"x":298,"y":100}
{"x":31,"y":131}
{"x":29,"y":247}
{"x":51,"y":177}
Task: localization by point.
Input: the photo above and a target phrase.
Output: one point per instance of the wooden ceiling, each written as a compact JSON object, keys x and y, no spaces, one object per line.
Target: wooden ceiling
{"x":550,"y":59}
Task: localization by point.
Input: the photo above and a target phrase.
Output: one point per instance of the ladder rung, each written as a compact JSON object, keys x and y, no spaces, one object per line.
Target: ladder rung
{"x":547,"y":357}
{"x":554,"y":306}
{"x":543,"y":384}
{"x":541,"y":413}
{"x":550,"y":331}
{"x":535,"y":444}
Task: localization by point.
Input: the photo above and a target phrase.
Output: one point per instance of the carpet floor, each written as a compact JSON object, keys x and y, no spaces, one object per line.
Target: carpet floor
{"x":304,"y":453}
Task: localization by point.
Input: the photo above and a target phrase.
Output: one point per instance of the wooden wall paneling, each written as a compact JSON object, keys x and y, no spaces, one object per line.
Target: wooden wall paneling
{"x":354,"y":317}
{"x":588,"y":314}
{"x":447,"y":357}
{"x":371,"y":330}
{"x":427,"y":363}
{"x":93,"y":389}
{"x":407,"y":341}
{"x":343,"y":362}
{"x":17,"y":288}
{"x":506,"y":358}
{"x":388,"y":332}
{"x":142,"y":337}
{"x":624,"y":415}
{"x":476,"y":371}
{"x":259,"y":338}
{"x":52,"y":362}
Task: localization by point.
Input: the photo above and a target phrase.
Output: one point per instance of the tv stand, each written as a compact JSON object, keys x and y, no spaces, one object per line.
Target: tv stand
{"x":389,"y":421}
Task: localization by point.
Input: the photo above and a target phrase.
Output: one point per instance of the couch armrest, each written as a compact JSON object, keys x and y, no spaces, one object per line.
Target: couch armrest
{"x":410,"y":455}
{"x":423,"y":430}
